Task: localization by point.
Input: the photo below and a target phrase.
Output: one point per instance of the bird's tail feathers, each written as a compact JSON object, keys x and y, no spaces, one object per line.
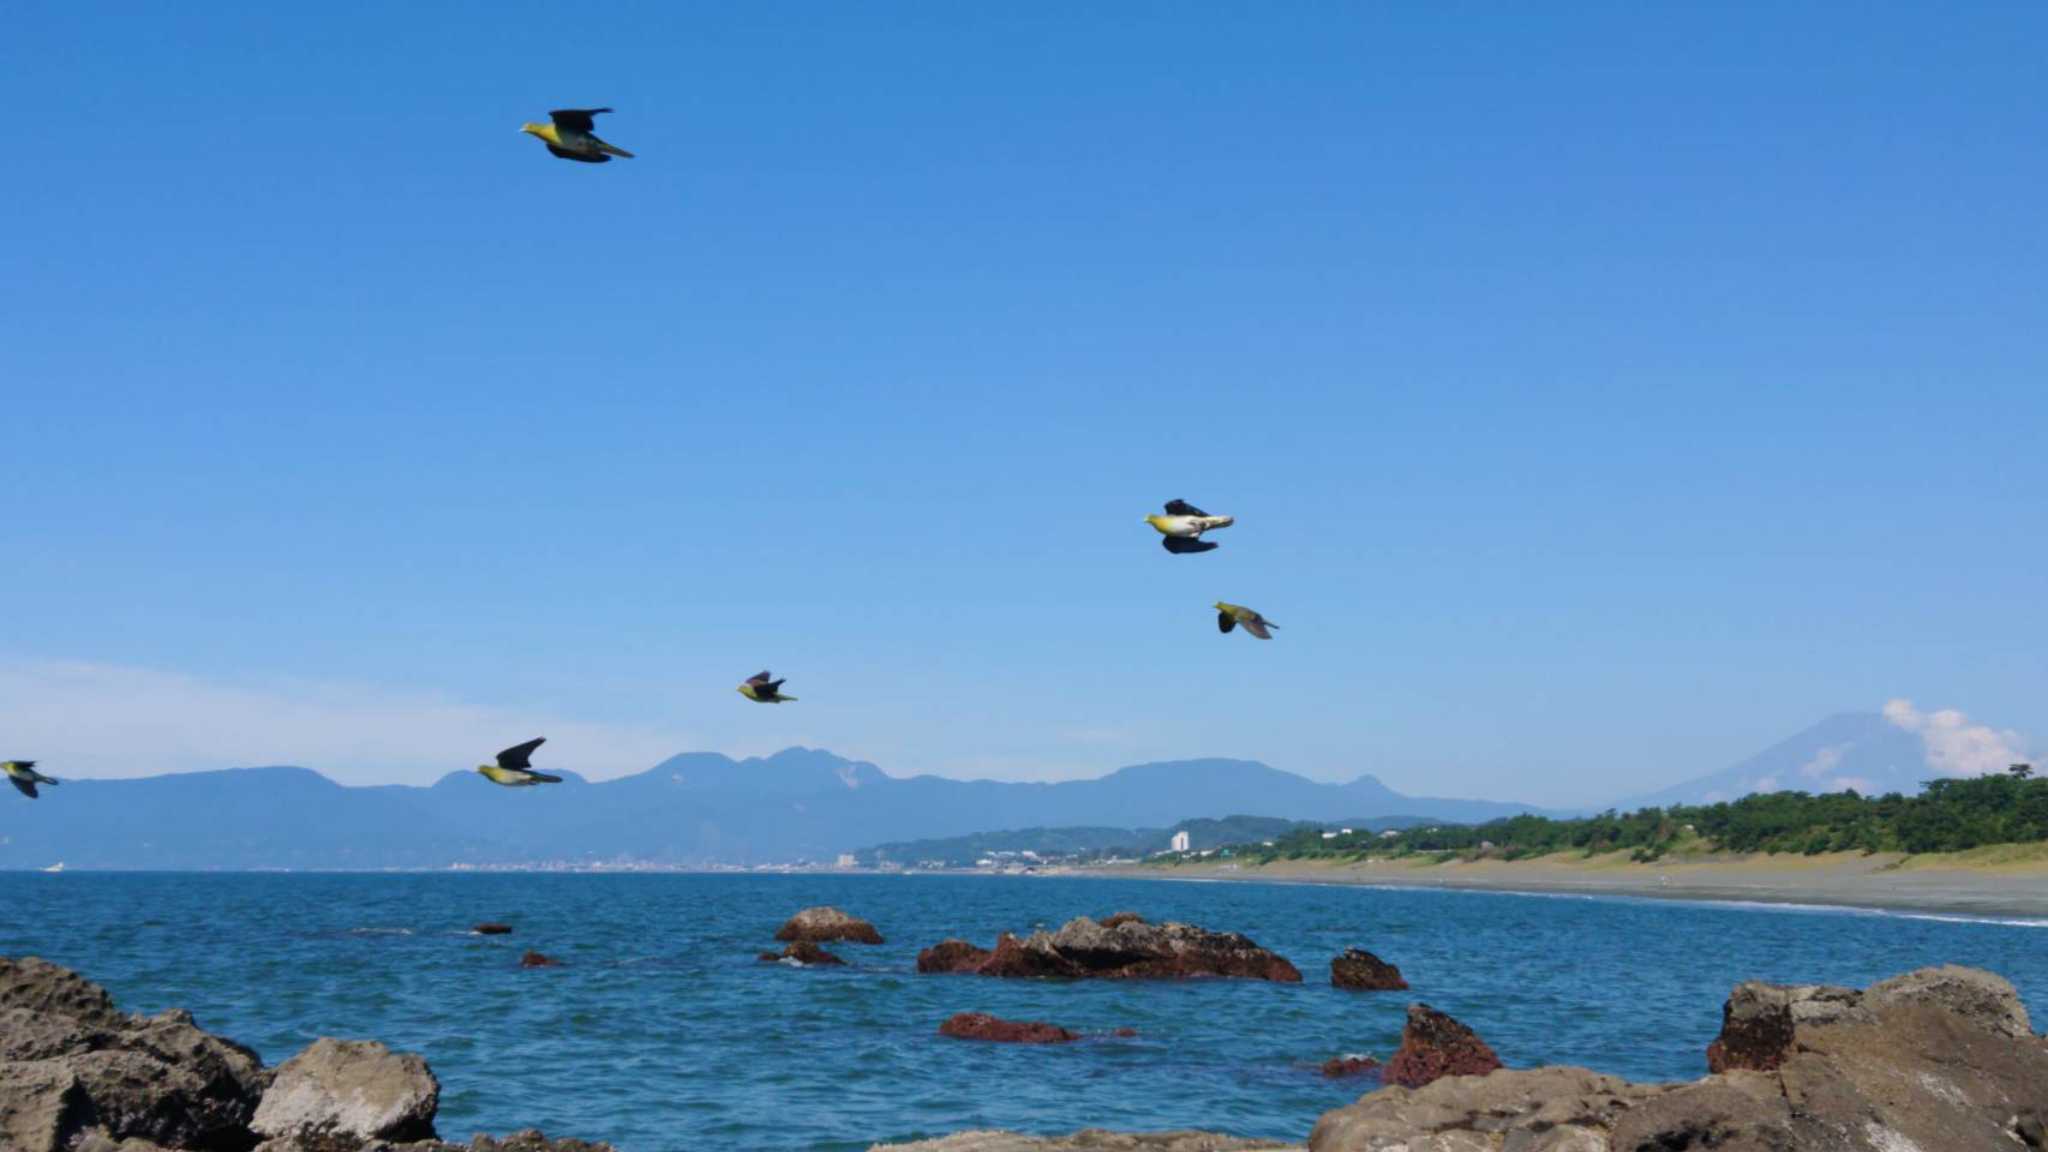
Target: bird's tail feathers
{"x":614,"y":150}
{"x":544,"y":778}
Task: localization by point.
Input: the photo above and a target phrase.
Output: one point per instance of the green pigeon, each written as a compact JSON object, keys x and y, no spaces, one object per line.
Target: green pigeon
{"x":569,"y":135}
{"x":514,"y":768}
{"x":761,"y":690}
{"x":1230,"y":616}
{"x":1182,"y":527}
{"x":23,"y":775}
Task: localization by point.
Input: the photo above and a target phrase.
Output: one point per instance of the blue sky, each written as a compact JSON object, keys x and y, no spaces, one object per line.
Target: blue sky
{"x":1603,"y":394}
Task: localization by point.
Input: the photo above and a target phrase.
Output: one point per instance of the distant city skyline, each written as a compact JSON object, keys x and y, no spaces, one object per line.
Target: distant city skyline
{"x":1601,"y":396}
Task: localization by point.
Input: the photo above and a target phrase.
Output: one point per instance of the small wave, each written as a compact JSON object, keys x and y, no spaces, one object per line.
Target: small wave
{"x":380,"y":932}
{"x":1957,"y":918}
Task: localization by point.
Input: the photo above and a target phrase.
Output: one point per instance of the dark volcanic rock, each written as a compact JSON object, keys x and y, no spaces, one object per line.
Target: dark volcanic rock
{"x":952,"y":956}
{"x":492,"y":929}
{"x":803,"y":952}
{"x":74,"y":1063}
{"x":982,"y":1026}
{"x":1357,"y":968}
{"x":532,"y":959}
{"x":1117,"y":918}
{"x":1339,"y":1067}
{"x":820,"y":925}
{"x":1938,"y":1060}
{"x":1129,"y":950}
{"x":1434,"y":1046}
{"x":77,"y":1075}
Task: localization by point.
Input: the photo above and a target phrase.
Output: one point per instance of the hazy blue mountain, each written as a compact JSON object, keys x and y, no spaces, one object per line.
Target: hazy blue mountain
{"x":698,"y":808}
{"x":1860,"y":750}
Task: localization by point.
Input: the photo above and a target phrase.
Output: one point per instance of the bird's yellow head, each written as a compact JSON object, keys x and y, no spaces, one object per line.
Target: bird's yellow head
{"x":1222,"y":607}
{"x":1154,"y":520}
{"x":485,"y":769}
{"x":544,"y":131}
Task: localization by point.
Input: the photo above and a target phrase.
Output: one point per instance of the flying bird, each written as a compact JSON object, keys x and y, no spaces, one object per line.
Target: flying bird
{"x":1230,"y":616}
{"x":569,"y":135}
{"x":761,"y":690}
{"x":1182,"y":527}
{"x":23,"y":775}
{"x":514,"y":768}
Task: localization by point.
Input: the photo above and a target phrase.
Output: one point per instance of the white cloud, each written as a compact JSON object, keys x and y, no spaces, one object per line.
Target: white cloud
{"x":112,"y":720}
{"x":1956,"y":747}
{"x":1823,"y":761}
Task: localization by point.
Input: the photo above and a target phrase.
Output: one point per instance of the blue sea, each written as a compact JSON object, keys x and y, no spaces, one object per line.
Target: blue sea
{"x":661,"y":1033}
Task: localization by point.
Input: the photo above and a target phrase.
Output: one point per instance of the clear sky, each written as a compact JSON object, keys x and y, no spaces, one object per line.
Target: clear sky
{"x":1604,"y":391}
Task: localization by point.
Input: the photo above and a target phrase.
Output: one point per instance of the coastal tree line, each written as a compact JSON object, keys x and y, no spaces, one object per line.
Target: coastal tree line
{"x":1950,"y":815}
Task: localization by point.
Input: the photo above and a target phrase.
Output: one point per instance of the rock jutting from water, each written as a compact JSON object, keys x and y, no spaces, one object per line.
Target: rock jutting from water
{"x":1129,"y":949}
{"x":79,"y":1075}
{"x":825,"y":924}
{"x":1937,"y":1060}
{"x":803,"y":952}
{"x":532,"y":959}
{"x":1433,"y":1046}
{"x":1362,"y":970}
{"x":982,"y":1026}
{"x":492,"y":928}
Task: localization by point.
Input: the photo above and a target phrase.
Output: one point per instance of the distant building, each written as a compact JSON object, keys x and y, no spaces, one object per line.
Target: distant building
{"x":1329,"y":835}
{"x":1180,"y":841}
{"x":846,"y":860}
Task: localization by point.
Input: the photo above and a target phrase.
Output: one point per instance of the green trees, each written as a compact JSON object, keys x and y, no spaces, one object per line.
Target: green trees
{"x":1950,"y":815}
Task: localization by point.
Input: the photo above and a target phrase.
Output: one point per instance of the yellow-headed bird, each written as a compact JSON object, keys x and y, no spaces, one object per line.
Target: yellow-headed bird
{"x":1183,"y":525}
{"x":761,"y":690}
{"x":23,"y":775}
{"x":514,"y":768}
{"x":1230,"y":616}
{"x":569,"y":135}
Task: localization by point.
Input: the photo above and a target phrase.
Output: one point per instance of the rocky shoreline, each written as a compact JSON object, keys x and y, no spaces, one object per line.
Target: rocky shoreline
{"x":79,"y":1075}
{"x":1936,"y":1060}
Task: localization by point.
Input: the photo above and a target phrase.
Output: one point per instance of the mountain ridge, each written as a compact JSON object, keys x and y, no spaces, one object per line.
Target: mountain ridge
{"x":692,"y":809}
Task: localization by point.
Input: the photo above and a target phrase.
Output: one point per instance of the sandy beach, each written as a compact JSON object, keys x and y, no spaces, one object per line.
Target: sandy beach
{"x":2006,"y":881}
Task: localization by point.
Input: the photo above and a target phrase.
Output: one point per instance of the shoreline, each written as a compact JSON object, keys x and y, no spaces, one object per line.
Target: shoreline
{"x":1886,"y":882}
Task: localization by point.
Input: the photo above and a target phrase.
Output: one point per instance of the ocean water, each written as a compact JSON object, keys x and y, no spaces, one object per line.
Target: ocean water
{"x":661,"y":1033}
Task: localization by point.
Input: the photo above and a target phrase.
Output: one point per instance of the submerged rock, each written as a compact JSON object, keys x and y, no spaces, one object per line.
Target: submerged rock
{"x":350,"y":1088}
{"x":1128,"y":950}
{"x":532,"y":959}
{"x":803,"y":952}
{"x":1433,"y":1045}
{"x":952,"y":956}
{"x":1340,"y":1067}
{"x":1938,"y":1060}
{"x":822,"y":924}
{"x":982,"y":1026}
{"x":492,"y":929}
{"x":1089,"y":1140}
{"x":1357,"y":968}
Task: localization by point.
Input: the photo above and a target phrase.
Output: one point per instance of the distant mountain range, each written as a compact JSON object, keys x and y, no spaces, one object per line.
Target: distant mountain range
{"x":1859,"y":750}
{"x":694,"y":809}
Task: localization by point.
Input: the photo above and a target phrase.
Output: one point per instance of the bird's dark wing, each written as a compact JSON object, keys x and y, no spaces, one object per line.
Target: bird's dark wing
{"x":586,"y":157}
{"x":25,"y":787}
{"x":1181,"y":545}
{"x":575,"y":119}
{"x":520,"y":755}
{"x":1183,"y":508}
{"x":1225,"y":622}
{"x":1257,"y":626}
{"x":760,"y":678}
{"x":25,"y":763}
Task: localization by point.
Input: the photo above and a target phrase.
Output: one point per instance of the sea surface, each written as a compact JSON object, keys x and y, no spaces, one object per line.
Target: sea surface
{"x":661,"y":1033}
